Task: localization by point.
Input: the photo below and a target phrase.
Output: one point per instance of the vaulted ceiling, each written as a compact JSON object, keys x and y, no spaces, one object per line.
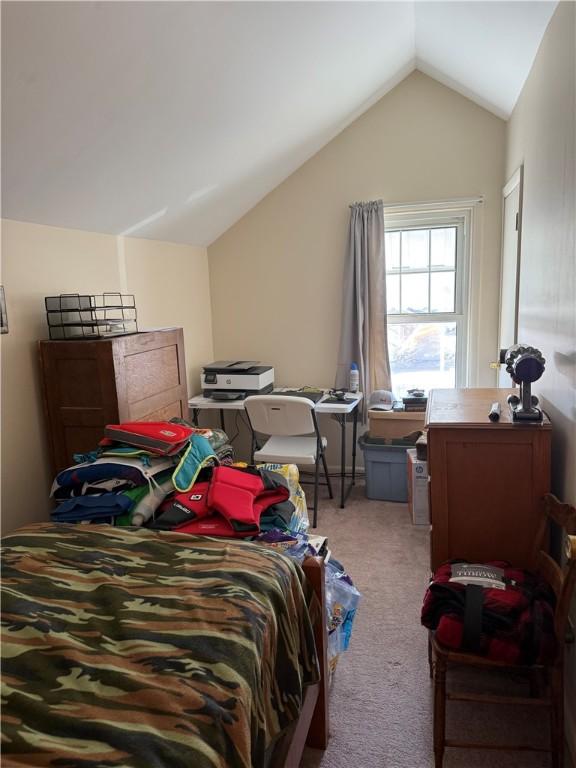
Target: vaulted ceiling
{"x":170,"y":120}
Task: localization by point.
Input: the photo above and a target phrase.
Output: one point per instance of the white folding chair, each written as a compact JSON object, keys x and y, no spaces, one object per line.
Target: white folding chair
{"x":291,"y":426}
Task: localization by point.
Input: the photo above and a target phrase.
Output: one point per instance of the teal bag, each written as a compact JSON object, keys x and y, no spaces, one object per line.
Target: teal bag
{"x":198,"y":454}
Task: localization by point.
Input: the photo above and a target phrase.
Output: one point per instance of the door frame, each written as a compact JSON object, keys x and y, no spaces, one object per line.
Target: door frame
{"x":516,"y":180}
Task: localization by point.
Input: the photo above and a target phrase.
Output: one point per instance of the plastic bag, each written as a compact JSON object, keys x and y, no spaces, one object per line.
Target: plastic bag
{"x":342,"y":599}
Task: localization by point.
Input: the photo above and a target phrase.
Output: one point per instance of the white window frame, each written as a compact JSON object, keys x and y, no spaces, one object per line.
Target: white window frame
{"x":399,"y":220}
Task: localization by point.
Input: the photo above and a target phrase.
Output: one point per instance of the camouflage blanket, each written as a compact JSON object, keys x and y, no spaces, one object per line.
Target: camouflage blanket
{"x":130,"y":647}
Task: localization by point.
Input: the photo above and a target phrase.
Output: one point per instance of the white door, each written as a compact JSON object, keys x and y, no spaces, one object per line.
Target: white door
{"x":509,"y":286}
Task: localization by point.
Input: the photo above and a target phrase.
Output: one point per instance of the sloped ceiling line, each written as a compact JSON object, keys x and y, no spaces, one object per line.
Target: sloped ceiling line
{"x":170,"y":120}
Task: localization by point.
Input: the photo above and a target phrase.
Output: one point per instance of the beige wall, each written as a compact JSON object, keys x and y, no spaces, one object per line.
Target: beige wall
{"x":171,"y":286}
{"x":541,"y":134}
{"x":170,"y":283}
{"x":276,"y":276}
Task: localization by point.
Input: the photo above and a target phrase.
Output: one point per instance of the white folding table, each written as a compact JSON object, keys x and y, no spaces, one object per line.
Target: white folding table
{"x":340,"y":411}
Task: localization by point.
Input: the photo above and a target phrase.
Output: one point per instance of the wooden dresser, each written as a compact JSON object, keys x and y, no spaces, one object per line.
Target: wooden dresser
{"x":486,"y":478}
{"x":88,"y":384}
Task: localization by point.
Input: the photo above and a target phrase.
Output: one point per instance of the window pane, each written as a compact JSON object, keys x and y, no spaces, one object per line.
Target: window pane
{"x":442,"y":292}
{"x":415,"y":293}
{"x":393,"y":294}
{"x":443,"y":247}
{"x":422,"y":355}
{"x":392,"y":250}
{"x":415,"y":249}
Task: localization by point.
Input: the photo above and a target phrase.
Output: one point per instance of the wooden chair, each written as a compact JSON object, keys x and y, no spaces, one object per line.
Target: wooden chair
{"x":546,"y":682}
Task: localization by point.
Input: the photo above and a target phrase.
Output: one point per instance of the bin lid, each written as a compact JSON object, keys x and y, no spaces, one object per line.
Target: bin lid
{"x":409,"y":441}
{"x":392,"y":415}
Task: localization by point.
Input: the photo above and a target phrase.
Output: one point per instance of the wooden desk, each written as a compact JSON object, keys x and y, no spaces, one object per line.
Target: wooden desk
{"x":486,"y":478}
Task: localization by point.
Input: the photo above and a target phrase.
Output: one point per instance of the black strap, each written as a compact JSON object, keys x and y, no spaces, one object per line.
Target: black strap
{"x":473,"y":602}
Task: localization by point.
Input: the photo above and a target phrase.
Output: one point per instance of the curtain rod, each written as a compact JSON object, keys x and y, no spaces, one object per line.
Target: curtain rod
{"x":459,"y":202}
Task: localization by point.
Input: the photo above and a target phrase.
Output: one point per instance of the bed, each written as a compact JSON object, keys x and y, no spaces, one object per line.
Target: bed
{"x":126,"y":647}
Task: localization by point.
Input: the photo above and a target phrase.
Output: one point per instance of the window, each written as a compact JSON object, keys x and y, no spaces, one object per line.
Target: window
{"x":426,"y":267}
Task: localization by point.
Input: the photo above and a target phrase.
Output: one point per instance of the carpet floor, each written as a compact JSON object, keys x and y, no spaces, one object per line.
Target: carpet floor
{"x":381,"y":694}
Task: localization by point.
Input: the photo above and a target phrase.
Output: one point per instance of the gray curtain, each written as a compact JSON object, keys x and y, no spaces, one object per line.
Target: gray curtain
{"x":364,"y":337}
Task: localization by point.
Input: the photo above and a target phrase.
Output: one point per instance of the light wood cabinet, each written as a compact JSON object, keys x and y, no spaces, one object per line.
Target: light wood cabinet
{"x":90,"y":383}
{"x":486,"y":478}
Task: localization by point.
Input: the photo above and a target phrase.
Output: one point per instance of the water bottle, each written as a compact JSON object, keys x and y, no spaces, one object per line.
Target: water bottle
{"x":354,"y":378}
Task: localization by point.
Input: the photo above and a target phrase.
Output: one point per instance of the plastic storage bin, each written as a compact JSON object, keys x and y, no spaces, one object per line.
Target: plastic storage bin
{"x":386,"y":470}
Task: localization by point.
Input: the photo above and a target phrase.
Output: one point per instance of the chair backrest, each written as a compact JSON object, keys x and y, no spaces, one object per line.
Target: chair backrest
{"x":281,"y":415}
{"x":561,"y":577}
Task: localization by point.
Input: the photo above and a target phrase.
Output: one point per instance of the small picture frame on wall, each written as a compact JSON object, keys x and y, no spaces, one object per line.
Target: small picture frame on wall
{"x":3,"y":315}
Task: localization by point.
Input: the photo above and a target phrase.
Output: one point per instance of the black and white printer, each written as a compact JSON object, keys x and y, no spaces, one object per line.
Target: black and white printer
{"x":236,"y":379}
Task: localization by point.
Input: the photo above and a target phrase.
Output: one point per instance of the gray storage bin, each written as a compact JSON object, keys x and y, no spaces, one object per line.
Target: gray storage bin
{"x":386,"y":470}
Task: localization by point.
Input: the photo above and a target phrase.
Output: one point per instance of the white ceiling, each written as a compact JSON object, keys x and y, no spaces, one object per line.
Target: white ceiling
{"x":170,"y":120}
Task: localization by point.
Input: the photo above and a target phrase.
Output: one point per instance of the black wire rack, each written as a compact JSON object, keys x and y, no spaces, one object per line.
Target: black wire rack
{"x":90,"y":316}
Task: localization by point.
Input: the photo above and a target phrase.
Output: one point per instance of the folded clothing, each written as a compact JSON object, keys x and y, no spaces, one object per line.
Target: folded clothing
{"x":120,"y":462}
{"x":277,"y":517}
{"x":91,"y":508}
{"x":128,"y":482}
{"x":135,"y":495}
{"x":231,"y":503}
{"x":134,"y":471}
{"x":299,"y":522}
{"x":123,"y":499}
{"x":216,"y":437}
{"x":225,"y":455}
